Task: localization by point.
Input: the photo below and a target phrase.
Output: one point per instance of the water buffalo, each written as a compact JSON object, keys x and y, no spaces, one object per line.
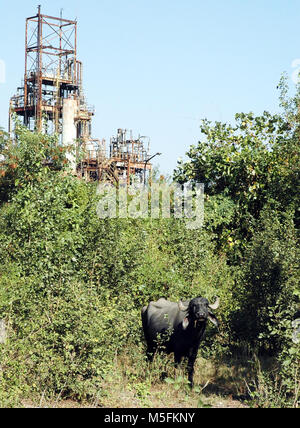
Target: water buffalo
{"x":178,"y":327}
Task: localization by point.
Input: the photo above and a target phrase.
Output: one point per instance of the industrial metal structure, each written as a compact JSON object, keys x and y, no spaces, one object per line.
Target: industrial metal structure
{"x":51,"y":100}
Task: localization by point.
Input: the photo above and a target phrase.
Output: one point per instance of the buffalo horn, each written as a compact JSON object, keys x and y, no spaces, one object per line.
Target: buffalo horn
{"x":215,"y":305}
{"x":181,"y":306}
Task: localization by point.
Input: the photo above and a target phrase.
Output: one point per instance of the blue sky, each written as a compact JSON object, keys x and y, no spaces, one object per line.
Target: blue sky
{"x":159,"y":66}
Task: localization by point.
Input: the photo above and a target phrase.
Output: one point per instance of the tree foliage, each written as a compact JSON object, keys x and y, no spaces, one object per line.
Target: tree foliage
{"x":72,"y":284}
{"x":250,"y":164}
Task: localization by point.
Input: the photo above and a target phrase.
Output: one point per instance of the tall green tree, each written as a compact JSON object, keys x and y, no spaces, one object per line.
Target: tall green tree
{"x":251,"y":163}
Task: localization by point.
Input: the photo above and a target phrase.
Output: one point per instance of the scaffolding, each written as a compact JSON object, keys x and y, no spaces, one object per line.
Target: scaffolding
{"x":51,"y":100}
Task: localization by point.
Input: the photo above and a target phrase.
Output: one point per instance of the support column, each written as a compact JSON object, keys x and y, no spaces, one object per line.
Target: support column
{"x":69,"y":130}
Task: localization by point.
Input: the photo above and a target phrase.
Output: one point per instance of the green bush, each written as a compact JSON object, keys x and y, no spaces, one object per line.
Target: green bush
{"x":72,"y":285}
{"x":268,"y":283}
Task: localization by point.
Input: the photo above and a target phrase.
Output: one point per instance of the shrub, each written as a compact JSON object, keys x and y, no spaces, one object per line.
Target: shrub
{"x":268,"y":284}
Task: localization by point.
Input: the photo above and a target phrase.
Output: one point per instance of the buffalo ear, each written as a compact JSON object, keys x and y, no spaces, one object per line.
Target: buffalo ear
{"x":213,"y":319}
{"x":185,"y":323}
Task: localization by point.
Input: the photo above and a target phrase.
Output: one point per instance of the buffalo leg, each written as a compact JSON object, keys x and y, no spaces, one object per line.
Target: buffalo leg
{"x":150,"y":353}
{"x":177,"y":360}
{"x":190,"y":367}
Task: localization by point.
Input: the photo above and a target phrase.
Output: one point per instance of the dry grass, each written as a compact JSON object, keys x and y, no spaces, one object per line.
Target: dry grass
{"x":135,"y":384}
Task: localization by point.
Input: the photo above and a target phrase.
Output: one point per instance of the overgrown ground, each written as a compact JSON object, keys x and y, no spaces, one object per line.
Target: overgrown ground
{"x":135,"y":384}
{"x":220,"y":386}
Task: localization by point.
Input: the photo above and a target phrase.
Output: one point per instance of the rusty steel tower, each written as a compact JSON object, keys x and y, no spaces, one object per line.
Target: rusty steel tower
{"x":51,"y":100}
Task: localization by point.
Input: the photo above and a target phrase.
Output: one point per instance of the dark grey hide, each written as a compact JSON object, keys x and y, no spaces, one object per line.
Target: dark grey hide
{"x":177,"y":327}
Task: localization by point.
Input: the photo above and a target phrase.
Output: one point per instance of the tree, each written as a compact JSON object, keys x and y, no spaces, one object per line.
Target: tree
{"x":251,"y":163}
{"x":27,"y":158}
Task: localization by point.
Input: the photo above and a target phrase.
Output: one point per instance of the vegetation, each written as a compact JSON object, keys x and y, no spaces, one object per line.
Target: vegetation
{"x":72,"y":285}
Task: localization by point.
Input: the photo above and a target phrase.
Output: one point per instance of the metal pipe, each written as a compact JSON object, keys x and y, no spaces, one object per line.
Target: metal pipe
{"x":145,"y":166}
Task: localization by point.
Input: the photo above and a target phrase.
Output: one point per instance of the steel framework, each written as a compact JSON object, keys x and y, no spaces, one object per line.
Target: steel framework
{"x":52,"y":74}
{"x":51,"y":100}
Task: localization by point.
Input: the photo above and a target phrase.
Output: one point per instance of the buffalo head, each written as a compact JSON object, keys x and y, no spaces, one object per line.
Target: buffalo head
{"x":198,"y":311}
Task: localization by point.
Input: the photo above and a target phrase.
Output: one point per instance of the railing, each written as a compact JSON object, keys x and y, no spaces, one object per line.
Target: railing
{"x":17,"y":101}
